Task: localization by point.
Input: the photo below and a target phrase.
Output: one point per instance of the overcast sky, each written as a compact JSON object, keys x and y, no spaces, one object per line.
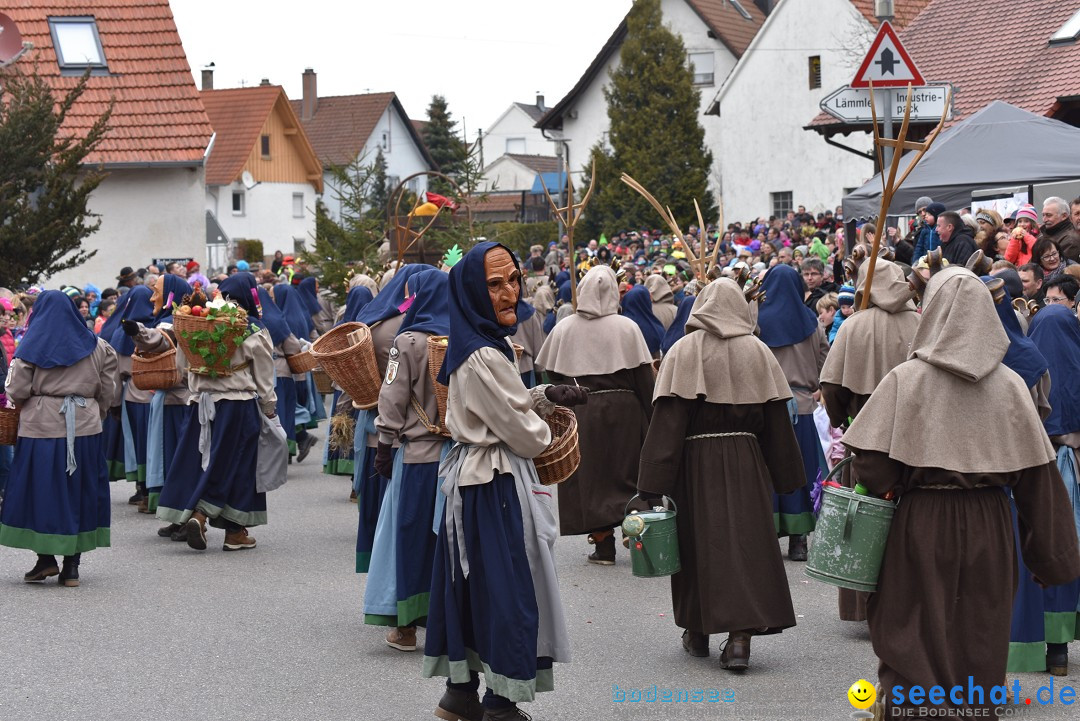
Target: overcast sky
{"x":480,"y":54}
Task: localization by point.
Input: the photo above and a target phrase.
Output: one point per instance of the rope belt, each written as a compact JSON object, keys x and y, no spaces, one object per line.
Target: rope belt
{"x":719,"y":435}
{"x":611,"y":390}
{"x":950,"y":487}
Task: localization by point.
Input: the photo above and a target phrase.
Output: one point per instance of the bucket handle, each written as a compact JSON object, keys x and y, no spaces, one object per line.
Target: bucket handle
{"x":669,"y":499}
{"x":849,"y":520}
{"x":838,"y":467}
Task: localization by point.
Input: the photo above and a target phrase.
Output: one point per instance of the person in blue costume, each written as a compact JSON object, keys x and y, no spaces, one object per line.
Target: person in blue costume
{"x":63,"y":380}
{"x":135,"y":420}
{"x":494,"y":605}
{"x":563,"y":298}
{"x":1044,"y":620}
{"x":797,"y":340}
{"x":339,"y":461}
{"x":168,"y":408}
{"x":678,"y":326}
{"x":384,"y":316}
{"x":637,"y":306}
{"x":288,"y":300}
{"x":285,"y":344}
{"x":112,"y":430}
{"x":399,"y":577}
{"x":308,"y":290}
{"x":212,"y":476}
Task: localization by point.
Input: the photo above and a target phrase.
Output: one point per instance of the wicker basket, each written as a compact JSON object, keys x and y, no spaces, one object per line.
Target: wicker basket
{"x":302,"y":362}
{"x":220,"y":363}
{"x":9,"y":426}
{"x":156,"y":371}
{"x":436,"y":353}
{"x":562,"y":456}
{"x":347,"y":354}
{"x":324,"y":384}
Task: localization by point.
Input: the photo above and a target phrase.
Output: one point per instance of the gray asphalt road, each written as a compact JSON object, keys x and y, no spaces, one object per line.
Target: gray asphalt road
{"x":158,"y":631}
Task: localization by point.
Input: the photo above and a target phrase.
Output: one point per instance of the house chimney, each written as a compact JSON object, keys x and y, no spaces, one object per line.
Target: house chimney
{"x":208,"y":77}
{"x":540,"y":101}
{"x":883,"y":10}
{"x":310,"y":103}
{"x":265,"y":83}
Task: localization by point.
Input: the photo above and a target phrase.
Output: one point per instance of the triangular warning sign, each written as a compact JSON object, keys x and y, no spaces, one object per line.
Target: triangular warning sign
{"x":887,"y":63}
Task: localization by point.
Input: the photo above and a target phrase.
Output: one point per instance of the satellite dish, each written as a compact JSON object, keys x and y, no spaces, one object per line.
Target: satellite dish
{"x":248,"y":180}
{"x":12,"y":46}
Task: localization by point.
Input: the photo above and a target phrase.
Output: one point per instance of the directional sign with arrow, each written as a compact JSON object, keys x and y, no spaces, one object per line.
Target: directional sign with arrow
{"x":887,"y":63}
{"x":853,"y":104}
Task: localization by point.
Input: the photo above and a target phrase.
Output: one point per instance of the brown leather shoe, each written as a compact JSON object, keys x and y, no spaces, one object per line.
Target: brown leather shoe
{"x":735,"y":656}
{"x":460,"y":706}
{"x":403,"y":639}
{"x":196,"y":531}
{"x":695,"y":643}
{"x":238,"y":541}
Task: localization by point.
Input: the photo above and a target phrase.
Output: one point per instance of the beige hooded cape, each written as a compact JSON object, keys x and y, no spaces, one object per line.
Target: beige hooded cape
{"x":872,"y":342}
{"x":719,"y":357}
{"x":596,"y":340}
{"x":663,"y":299}
{"x":953,"y":378}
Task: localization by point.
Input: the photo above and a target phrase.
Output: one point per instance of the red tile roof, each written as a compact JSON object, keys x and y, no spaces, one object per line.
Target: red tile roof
{"x":238,"y":115}
{"x":1019,"y":66}
{"x":342,"y":124}
{"x":538,"y":163}
{"x":904,"y":11}
{"x":158,"y":116}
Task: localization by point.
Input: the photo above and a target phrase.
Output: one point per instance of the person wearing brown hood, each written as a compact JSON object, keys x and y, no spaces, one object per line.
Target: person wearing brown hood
{"x":941,"y":613}
{"x":663,"y":299}
{"x":720,"y":444}
{"x":1058,"y":227}
{"x":868,"y":345}
{"x":598,"y":349}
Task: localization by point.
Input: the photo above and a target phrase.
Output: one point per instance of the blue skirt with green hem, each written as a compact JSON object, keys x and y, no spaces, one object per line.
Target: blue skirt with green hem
{"x":139,"y":422}
{"x":47,"y":511}
{"x":339,"y":462}
{"x":793,"y":513}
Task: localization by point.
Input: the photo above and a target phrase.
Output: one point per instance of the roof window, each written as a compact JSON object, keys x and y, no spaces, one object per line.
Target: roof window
{"x":1068,"y":32}
{"x":742,"y":11}
{"x":77,"y":43}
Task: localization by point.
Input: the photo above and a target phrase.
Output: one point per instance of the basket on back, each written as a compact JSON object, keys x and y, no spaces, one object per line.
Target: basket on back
{"x":301,"y":362}
{"x":562,"y":456}
{"x":436,"y":353}
{"x":209,"y":343}
{"x":156,"y":371}
{"x":9,"y":426}
{"x":324,"y":385}
{"x":347,"y":354}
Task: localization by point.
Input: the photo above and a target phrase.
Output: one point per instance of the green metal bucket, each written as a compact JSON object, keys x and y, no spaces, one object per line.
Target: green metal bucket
{"x":654,"y":544}
{"x":849,"y":540}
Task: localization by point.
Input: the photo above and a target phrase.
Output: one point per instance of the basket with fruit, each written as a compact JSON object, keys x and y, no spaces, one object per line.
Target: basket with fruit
{"x":209,"y":332}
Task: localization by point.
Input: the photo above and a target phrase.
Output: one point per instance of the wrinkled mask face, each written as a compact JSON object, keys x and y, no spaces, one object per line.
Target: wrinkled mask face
{"x":158,"y":296}
{"x":503,"y":284}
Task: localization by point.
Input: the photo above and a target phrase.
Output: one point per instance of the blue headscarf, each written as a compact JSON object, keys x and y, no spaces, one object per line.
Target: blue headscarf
{"x":139,"y":309}
{"x":1056,"y":333}
{"x":525,"y":311}
{"x":1023,"y":355}
{"x":355,"y":302}
{"x":87,"y":290}
{"x":637,"y":306}
{"x":563,"y":276}
{"x":783,"y":317}
{"x":389,"y":300}
{"x":310,"y":295}
{"x":549,"y":322}
{"x":178,"y":287}
{"x":296,"y":314}
{"x":430,"y":310}
{"x":109,"y":326}
{"x":57,"y":335}
{"x":472,"y":318}
{"x":273,"y":319}
{"x":238,"y":288}
{"x":563,"y":297}
{"x":678,"y":326}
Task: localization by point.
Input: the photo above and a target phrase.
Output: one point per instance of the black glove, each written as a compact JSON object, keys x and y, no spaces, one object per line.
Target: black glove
{"x":384,"y":460}
{"x":130,"y":327}
{"x":567,"y":395}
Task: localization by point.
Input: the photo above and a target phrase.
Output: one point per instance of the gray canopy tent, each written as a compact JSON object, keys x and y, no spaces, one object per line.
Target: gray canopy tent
{"x":1001,"y":145}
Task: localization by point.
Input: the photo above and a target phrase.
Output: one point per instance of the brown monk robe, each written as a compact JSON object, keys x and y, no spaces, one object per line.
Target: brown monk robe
{"x":606,"y":353}
{"x":868,"y":345}
{"x":944,"y":600}
{"x":720,"y":443}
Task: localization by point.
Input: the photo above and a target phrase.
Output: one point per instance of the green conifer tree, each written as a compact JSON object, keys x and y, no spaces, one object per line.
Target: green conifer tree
{"x":447,"y":149}
{"x":654,"y":134}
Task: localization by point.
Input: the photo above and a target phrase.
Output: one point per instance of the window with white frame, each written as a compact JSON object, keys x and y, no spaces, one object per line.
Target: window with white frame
{"x":781,"y":203}
{"x":77,"y":43}
{"x":384,"y":142}
{"x":298,"y":205}
{"x":238,"y":202}
{"x":702,"y":64}
{"x":515,"y":146}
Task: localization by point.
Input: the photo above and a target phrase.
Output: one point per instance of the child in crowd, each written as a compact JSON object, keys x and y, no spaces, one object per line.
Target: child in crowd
{"x":846,"y":301}
{"x":826,"y":310}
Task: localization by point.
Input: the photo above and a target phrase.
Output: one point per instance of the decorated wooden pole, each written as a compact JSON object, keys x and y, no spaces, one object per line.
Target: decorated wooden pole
{"x":698,"y":264}
{"x":569,"y":217}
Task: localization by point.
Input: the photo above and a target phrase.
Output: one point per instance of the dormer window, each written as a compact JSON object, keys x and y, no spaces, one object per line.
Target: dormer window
{"x":77,"y":43}
{"x":1068,"y":32}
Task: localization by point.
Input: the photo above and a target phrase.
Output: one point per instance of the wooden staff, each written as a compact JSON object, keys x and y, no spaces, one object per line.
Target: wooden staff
{"x":569,"y":217}
{"x":673,"y":225}
{"x":890,"y":186}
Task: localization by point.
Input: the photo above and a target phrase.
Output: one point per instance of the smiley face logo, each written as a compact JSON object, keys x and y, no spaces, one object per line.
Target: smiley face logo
{"x":861,"y":694}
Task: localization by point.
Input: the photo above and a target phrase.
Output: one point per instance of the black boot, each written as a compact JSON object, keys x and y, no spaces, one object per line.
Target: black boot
{"x":456,"y":705}
{"x":166,"y":531}
{"x":604,"y":555}
{"x":45,"y":567}
{"x":69,"y":574}
{"x":1057,"y":659}
{"x":796,"y":550}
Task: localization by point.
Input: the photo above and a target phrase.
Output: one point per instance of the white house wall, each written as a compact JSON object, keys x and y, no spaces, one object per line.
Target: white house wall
{"x":762,"y":114}
{"x":507,"y":174}
{"x":514,"y":123}
{"x":268,"y":214}
{"x":145,"y":213}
